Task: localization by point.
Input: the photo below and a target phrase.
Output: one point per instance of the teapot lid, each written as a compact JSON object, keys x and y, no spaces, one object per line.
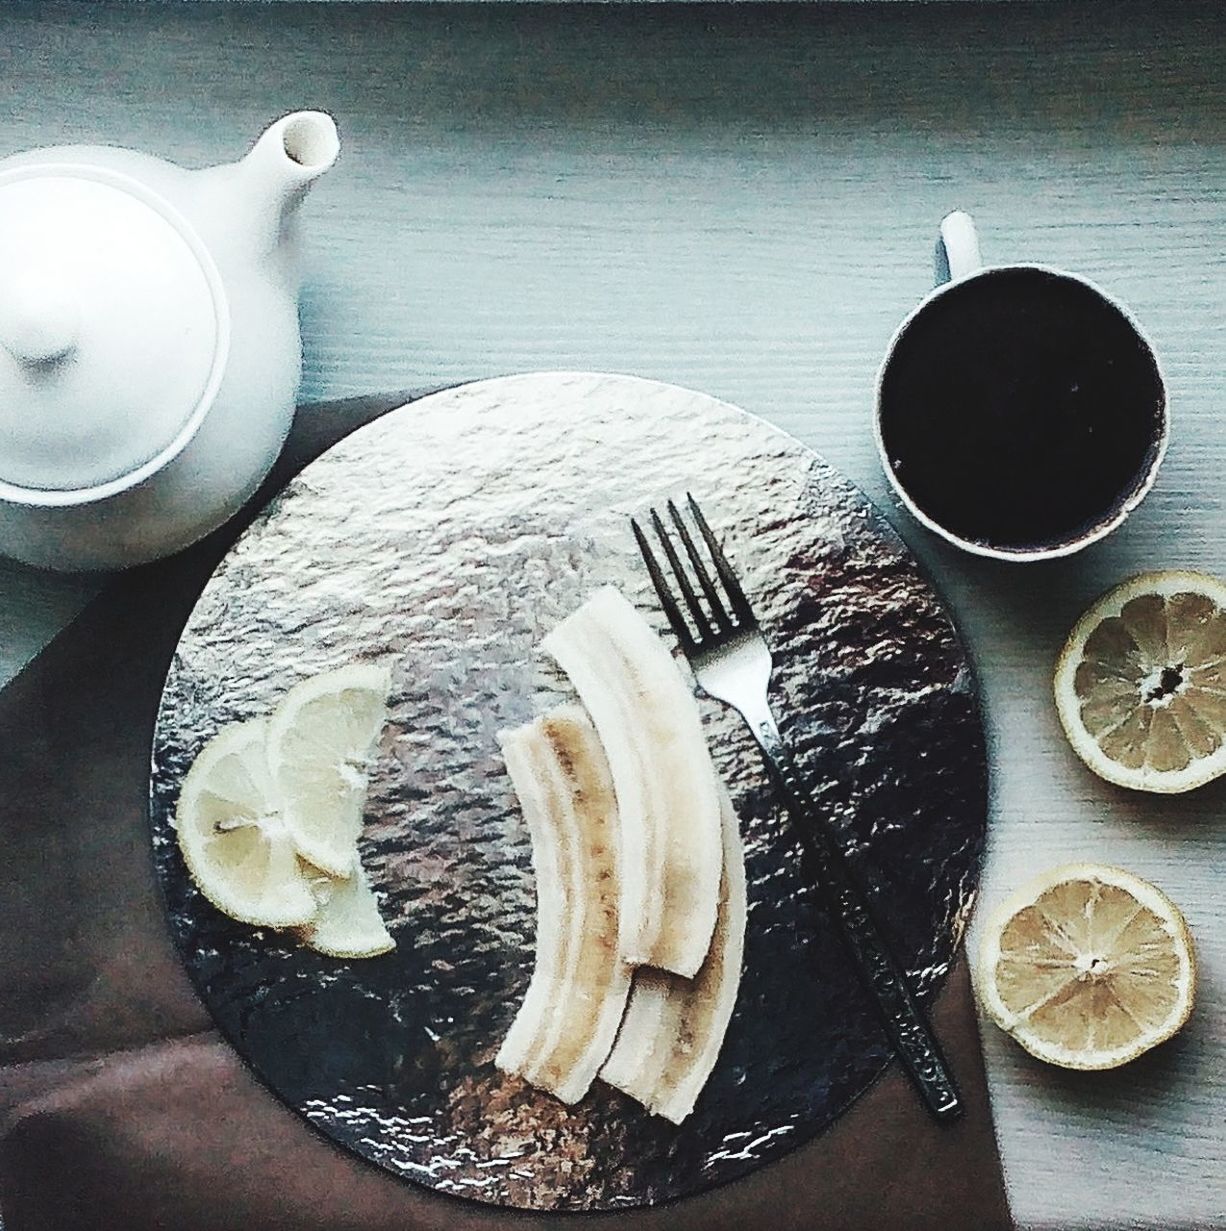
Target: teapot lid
{"x":114,"y":332}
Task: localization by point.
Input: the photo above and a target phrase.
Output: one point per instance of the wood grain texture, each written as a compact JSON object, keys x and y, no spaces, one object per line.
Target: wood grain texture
{"x":744,"y":201}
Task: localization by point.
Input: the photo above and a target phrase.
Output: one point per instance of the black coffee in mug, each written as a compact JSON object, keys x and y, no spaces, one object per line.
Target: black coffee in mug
{"x":1021,"y":410}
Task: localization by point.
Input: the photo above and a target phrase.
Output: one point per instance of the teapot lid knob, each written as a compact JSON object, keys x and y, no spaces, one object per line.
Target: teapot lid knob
{"x":38,"y":322}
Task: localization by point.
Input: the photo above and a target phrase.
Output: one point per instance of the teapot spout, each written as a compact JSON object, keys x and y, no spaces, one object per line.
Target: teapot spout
{"x":287,"y":159}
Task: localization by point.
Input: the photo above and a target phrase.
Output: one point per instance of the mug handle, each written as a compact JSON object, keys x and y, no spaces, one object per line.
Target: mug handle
{"x":957,"y":252}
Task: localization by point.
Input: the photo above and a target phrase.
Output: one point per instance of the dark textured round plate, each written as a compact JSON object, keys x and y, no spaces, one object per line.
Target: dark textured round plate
{"x":447,"y":538}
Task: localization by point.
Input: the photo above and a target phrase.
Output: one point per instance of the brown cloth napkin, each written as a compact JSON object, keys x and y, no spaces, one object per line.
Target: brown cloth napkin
{"x":121,"y":1109}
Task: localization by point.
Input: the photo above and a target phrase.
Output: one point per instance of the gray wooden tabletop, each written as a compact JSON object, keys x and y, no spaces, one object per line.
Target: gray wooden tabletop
{"x":744,"y":201}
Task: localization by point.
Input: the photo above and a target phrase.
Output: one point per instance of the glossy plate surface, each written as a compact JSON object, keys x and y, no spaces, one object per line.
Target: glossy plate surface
{"x":448,"y":538}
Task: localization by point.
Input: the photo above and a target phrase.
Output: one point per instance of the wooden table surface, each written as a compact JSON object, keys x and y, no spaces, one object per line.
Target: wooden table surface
{"x":743,"y":200}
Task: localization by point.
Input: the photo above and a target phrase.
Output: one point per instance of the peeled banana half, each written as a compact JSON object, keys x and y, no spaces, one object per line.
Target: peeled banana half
{"x":673,"y":1028}
{"x":567,"y":1022}
{"x":669,"y":853}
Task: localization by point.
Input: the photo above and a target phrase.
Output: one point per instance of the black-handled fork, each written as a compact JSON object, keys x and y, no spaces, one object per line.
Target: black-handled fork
{"x":731,"y":660}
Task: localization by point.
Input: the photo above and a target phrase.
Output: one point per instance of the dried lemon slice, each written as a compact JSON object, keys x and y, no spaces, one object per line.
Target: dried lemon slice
{"x":233,"y":835}
{"x":322,"y":739}
{"x":1087,"y":967}
{"x":348,"y":923}
{"x":1141,"y":684}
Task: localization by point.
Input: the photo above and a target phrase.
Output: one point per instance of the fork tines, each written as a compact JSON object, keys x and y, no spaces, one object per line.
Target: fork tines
{"x":726,"y":611}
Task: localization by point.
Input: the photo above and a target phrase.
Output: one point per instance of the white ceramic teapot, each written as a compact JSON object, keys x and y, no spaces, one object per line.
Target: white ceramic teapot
{"x":149,"y":347}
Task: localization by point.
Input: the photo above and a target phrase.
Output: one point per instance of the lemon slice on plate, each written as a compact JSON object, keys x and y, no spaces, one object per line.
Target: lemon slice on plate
{"x":1141,"y":683}
{"x":322,"y":739}
{"x":233,"y":836}
{"x":348,"y":923}
{"x":1087,"y":967}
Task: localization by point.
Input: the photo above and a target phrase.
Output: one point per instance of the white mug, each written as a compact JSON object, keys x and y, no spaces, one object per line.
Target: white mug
{"x":964,"y":285}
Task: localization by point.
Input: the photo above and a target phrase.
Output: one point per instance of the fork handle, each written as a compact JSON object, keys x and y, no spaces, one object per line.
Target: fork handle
{"x":902,"y":1017}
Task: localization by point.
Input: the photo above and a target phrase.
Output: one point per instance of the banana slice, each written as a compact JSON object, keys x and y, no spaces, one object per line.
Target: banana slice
{"x":568,"y":1020}
{"x":669,"y":845}
{"x":674,"y":1028}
